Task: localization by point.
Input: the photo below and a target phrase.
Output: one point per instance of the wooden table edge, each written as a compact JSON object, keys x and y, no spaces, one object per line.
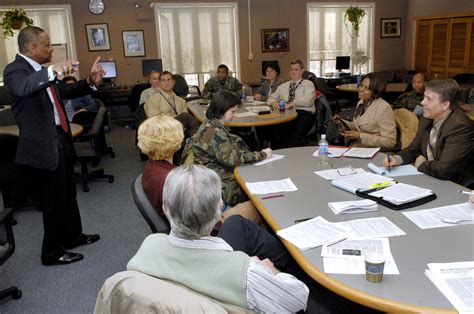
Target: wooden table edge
{"x":334,"y":285}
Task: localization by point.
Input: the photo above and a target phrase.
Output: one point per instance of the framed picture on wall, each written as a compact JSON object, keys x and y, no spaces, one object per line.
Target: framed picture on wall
{"x":275,"y":39}
{"x":133,"y":43}
{"x":98,"y":37}
{"x":390,"y":27}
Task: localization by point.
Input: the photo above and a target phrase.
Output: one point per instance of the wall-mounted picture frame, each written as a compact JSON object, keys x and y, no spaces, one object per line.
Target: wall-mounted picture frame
{"x":275,"y":39}
{"x":98,"y":37}
{"x":133,"y":43}
{"x":390,"y":27}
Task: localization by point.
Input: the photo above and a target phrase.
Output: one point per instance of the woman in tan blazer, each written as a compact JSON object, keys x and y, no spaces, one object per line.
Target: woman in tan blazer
{"x":373,"y":124}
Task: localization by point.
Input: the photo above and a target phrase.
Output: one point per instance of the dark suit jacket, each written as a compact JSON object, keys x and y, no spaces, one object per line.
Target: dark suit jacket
{"x":454,"y":148}
{"x":34,"y":113}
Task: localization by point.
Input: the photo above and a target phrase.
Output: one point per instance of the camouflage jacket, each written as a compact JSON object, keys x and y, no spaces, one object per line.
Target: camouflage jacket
{"x":214,"y":85}
{"x":408,"y":100}
{"x":217,"y":149}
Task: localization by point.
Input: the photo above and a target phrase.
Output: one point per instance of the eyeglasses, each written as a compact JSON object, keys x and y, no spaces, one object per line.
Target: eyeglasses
{"x":346,"y":171}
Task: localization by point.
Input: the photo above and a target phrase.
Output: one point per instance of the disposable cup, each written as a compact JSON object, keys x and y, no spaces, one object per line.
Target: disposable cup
{"x":374,"y":265}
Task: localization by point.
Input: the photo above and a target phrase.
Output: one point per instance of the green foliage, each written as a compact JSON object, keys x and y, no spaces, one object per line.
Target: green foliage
{"x":355,"y":16}
{"x":10,"y":17}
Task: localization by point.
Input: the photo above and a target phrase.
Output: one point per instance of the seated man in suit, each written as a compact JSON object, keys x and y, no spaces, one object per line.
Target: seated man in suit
{"x":444,"y":144}
{"x":209,"y":265}
{"x":154,"y":80}
{"x":411,"y":100}
{"x":82,"y":103}
{"x":298,"y":94}
{"x":222,"y":82}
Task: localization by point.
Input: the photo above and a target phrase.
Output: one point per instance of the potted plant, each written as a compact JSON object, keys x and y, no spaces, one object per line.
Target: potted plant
{"x":355,"y":16}
{"x":14,"y":19}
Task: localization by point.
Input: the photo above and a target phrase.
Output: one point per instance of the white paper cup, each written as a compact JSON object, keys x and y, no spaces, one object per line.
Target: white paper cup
{"x":374,"y":265}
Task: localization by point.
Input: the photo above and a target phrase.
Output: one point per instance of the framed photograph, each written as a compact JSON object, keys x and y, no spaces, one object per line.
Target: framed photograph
{"x":275,"y":39}
{"x":133,"y":43}
{"x":98,"y":37}
{"x":390,"y":28}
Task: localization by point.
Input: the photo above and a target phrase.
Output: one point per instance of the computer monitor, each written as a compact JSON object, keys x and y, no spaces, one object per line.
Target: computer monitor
{"x":343,"y":63}
{"x":264,"y":64}
{"x":150,"y":65}
{"x":110,"y":69}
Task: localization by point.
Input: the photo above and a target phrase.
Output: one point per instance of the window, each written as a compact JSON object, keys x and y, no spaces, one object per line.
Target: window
{"x":195,"y":38}
{"x":328,"y":37}
{"x":56,"y":20}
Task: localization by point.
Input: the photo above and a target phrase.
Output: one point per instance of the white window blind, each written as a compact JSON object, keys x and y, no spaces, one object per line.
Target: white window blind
{"x":194,"y":38}
{"x":329,"y":37}
{"x":55,"y":20}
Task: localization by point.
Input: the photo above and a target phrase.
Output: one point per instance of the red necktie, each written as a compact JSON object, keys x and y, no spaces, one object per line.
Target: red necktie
{"x":62,"y":116}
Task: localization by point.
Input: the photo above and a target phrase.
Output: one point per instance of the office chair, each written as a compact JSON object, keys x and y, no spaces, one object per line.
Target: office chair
{"x":156,"y":222}
{"x":464,"y":78}
{"x":91,"y":152}
{"x":407,"y":124}
{"x":182,"y":89}
{"x":7,"y":246}
{"x":135,"y":93}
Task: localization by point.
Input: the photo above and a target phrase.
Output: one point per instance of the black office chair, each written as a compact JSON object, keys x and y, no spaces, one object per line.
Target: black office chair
{"x":156,"y":222}
{"x":464,"y":78}
{"x":182,"y":89}
{"x":7,"y":246}
{"x":91,"y":152}
{"x":135,"y":94}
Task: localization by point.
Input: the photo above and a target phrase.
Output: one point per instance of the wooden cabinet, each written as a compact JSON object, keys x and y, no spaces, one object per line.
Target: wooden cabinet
{"x":444,"y":47}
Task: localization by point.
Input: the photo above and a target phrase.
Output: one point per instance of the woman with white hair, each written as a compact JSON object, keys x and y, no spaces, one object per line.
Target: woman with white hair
{"x":209,"y":265}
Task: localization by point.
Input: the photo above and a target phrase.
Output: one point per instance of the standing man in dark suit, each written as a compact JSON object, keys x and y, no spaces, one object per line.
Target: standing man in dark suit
{"x":45,"y":149}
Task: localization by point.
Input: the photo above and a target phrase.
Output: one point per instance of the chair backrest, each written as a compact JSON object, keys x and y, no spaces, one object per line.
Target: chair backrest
{"x":464,"y":78}
{"x":181,"y":87}
{"x":156,"y":223}
{"x":135,"y":94}
{"x":407,"y":123}
{"x":7,"y":242}
{"x":387,"y":76}
{"x":135,"y":292}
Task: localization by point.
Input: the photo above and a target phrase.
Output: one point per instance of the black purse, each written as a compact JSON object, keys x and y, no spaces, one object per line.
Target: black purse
{"x":333,"y":132}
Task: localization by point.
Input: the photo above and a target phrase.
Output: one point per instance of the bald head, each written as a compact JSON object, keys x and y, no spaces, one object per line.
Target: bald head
{"x":418,"y":83}
{"x":27,"y":36}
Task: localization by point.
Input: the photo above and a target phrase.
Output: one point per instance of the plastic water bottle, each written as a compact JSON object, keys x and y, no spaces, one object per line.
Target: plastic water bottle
{"x":323,"y":150}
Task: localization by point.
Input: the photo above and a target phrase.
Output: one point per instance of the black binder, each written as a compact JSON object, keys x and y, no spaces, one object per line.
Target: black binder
{"x":382,"y":201}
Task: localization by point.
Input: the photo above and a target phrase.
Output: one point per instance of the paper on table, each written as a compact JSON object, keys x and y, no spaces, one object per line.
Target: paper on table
{"x":340,"y":173}
{"x":256,"y":109}
{"x":361,"y":152}
{"x":402,"y":193}
{"x":398,"y":171}
{"x":376,"y":227}
{"x":454,"y":280}
{"x":351,"y":207}
{"x":264,"y":187}
{"x":267,"y":160}
{"x":363,"y":181}
{"x":347,"y":257}
{"x":445,"y":216}
{"x":334,"y":152}
{"x":313,"y":233}
{"x":245,"y":114}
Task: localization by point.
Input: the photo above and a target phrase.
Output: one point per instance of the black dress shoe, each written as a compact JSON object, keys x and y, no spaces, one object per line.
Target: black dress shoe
{"x":83,"y":239}
{"x":66,"y":258}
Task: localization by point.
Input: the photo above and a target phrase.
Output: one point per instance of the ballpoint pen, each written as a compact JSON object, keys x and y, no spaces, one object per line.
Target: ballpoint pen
{"x":388,"y":159}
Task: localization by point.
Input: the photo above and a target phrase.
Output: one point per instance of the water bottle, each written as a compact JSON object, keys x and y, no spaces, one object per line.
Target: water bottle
{"x":323,"y":150}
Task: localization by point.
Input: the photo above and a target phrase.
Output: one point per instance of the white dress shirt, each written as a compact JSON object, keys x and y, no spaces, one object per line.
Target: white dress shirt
{"x":304,"y":95}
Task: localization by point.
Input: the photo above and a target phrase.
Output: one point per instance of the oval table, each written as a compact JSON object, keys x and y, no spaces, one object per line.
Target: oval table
{"x":391,"y":88}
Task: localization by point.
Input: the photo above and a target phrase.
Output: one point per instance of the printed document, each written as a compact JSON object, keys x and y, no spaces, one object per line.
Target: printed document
{"x":334,"y":152}
{"x":245,"y":114}
{"x":265,"y":187}
{"x":350,"y":207}
{"x":398,"y":171}
{"x":402,"y":193}
{"x":360,"y":152}
{"x":368,"y":228}
{"x":339,"y":173}
{"x":312,"y":233}
{"x":455,"y":281}
{"x":363,"y":181}
{"x":445,"y":216}
{"x":267,"y":160}
{"x":347,"y":257}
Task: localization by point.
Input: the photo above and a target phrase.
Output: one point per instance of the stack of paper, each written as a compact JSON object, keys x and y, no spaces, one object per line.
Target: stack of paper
{"x":350,"y":207}
{"x":347,"y":257}
{"x":245,"y":114}
{"x":445,"y":216}
{"x":334,"y":152}
{"x":398,"y":171}
{"x":267,"y":160}
{"x":339,"y":173}
{"x":313,"y":233}
{"x":455,"y":281}
{"x":402,"y":193}
{"x":360,"y":152}
{"x":363,"y":181}
{"x":368,"y":228}
{"x":264,"y":187}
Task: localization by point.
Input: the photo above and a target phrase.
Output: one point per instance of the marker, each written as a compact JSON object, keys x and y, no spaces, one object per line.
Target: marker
{"x":388,"y":159}
{"x":303,"y":219}
{"x":272,"y":196}
{"x":466,"y":192}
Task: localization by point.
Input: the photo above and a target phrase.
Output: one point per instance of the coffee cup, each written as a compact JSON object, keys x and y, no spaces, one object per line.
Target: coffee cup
{"x":374,"y":265}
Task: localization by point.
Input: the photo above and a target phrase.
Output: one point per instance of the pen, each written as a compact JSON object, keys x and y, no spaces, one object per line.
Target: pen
{"x":272,"y":196}
{"x":303,"y":219}
{"x":388,"y":159}
{"x":466,"y":192}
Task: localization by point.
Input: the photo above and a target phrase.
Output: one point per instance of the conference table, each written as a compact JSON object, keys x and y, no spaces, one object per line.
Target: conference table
{"x":391,"y":88}
{"x":409,"y":291}
{"x":198,"y":109}
{"x":76,"y":129}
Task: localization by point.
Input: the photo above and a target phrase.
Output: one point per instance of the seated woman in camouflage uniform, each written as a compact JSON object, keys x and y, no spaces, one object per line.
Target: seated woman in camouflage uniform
{"x":216,"y":148}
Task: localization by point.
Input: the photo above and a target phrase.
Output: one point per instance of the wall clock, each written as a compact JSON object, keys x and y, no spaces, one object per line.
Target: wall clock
{"x":96,"y":6}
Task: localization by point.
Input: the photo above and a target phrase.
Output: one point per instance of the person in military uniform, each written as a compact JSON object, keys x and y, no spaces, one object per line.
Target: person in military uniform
{"x":222,"y":82}
{"x":411,"y":100}
{"x":216,"y":148}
